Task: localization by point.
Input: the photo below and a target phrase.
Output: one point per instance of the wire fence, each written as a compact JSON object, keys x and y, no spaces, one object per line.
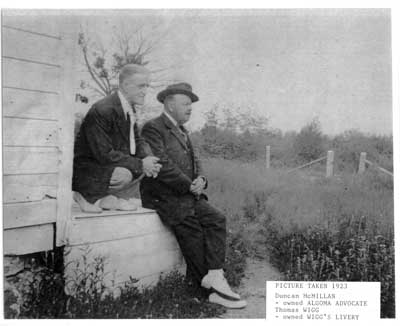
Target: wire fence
{"x":329,"y":163}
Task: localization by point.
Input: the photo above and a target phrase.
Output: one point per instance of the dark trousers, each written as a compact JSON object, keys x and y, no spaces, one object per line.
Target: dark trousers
{"x":202,"y":239}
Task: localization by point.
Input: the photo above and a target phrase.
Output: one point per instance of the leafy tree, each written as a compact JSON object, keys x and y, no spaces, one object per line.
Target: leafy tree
{"x":237,"y":119}
{"x":349,"y":144}
{"x":309,"y":143}
{"x":233,"y":133}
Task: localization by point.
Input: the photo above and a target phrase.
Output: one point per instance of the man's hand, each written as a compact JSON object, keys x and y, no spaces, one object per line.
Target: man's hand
{"x":197,"y":186}
{"x":150,"y":166}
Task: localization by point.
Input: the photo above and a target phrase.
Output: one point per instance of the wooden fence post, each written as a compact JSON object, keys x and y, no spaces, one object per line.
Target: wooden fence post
{"x":361,"y":166}
{"x":329,"y":164}
{"x":267,"y":156}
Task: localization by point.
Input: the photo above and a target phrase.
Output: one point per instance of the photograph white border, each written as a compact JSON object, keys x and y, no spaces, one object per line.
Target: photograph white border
{"x":119,"y":4}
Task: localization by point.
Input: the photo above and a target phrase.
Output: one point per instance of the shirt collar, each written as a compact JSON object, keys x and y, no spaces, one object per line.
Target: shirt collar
{"x":171,"y":118}
{"x":124,"y":103}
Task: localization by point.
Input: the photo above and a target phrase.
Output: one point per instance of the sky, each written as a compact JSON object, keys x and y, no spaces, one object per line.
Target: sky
{"x":289,"y":65}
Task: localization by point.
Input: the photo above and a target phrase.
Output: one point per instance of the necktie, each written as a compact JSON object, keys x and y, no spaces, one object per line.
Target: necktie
{"x":183,"y":133}
{"x":132,"y":144}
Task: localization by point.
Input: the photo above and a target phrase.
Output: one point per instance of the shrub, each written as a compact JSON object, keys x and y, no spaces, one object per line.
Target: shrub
{"x":320,"y":255}
{"x":246,"y":144}
{"x":236,"y":254}
{"x":89,"y":297}
{"x":351,"y":143}
{"x":170,"y":298}
{"x":312,"y":228}
{"x":309,"y":143}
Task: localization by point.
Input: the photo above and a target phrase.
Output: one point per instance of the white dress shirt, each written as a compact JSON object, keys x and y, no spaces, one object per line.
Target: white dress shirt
{"x":129,"y":112}
{"x":176,"y":125}
{"x":171,"y":118}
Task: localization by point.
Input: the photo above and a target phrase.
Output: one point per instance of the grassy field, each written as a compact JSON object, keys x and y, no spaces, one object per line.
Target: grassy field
{"x":41,"y":293}
{"x":308,"y":226}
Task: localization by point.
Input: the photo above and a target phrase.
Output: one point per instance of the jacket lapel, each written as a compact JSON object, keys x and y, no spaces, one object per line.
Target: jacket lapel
{"x":121,"y":121}
{"x":174,"y":131}
{"x":191,"y":149}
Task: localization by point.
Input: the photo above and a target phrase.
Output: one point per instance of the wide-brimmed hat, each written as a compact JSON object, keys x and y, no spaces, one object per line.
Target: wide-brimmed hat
{"x":180,"y":88}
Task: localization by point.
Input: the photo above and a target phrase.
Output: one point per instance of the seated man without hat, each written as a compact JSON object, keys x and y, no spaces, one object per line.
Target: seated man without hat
{"x":109,"y":154}
{"x":177,"y":196}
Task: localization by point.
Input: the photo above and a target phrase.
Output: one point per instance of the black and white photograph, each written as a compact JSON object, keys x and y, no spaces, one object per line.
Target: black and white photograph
{"x":167,"y":163}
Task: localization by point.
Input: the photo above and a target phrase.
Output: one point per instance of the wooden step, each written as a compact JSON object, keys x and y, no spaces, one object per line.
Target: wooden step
{"x":133,"y":244}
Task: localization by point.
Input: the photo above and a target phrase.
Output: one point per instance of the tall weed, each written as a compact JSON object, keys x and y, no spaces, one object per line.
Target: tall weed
{"x":311,"y":227}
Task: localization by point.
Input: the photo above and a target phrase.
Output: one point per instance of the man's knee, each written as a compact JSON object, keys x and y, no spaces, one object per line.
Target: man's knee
{"x":120,"y":178}
{"x":209,"y":215}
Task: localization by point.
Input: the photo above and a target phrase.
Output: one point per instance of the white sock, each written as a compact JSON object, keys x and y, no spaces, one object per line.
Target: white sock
{"x":84,"y":205}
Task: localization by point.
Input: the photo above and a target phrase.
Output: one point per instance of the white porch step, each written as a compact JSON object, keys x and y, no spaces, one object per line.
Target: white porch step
{"x":134,"y":244}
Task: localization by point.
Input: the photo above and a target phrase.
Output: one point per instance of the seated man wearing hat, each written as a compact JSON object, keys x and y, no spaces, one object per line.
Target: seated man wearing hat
{"x":109,"y":154}
{"x":177,"y":196}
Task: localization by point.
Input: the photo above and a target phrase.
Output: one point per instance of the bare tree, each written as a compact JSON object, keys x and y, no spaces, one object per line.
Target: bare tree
{"x":133,"y":45}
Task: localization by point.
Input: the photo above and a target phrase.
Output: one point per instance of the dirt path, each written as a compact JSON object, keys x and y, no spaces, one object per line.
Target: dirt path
{"x":252,"y":289}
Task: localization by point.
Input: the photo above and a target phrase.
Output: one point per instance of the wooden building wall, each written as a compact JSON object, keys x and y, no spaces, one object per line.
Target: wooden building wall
{"x":33,"y":83}
{"x":39,"y":63}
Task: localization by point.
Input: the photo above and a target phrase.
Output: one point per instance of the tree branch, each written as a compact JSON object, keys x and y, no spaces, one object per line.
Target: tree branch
{"x":101,"y":79}
{"x":108,"y":84}
{"x":84,"y":49}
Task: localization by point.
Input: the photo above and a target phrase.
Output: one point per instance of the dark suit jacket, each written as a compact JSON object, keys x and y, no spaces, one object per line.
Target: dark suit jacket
{"x":169,"y":194}
{"x":103,"y":144}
